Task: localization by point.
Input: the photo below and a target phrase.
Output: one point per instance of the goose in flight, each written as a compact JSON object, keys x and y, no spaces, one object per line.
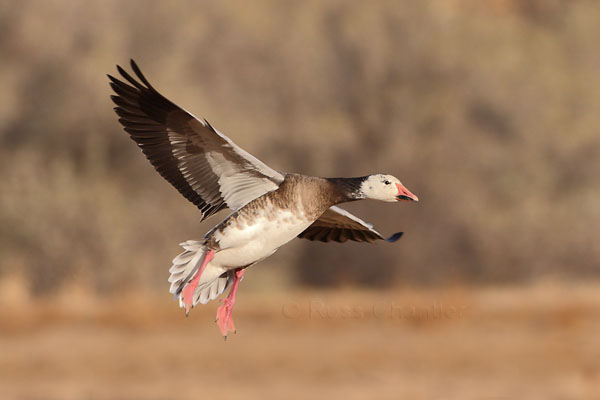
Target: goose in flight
{"x":269,"y":208}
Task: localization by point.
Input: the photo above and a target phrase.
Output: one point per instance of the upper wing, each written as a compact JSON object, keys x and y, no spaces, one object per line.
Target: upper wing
{"x":203,"y":164}
{"x":339,"y":225}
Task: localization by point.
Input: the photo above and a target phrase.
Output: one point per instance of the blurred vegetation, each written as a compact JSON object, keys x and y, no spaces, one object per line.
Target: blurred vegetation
{"x":489,"y":111}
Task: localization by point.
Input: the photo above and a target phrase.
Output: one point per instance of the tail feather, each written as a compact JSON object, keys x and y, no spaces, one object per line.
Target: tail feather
{"x":213,"y":281}
{"x":211,"y":290}
{"x":185,"y":265}
{"x":182,"y":259}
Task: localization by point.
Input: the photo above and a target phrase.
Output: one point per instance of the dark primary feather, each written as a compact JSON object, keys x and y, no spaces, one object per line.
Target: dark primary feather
{"x":181,"y":148}
{"x":338,"y":225}
{"x":143,"y":113}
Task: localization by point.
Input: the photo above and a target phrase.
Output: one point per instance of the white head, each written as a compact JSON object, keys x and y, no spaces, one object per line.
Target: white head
{"x":385,"y":188}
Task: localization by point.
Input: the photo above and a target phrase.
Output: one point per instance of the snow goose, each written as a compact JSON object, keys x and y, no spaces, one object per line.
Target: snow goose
{"x":270,"y":208}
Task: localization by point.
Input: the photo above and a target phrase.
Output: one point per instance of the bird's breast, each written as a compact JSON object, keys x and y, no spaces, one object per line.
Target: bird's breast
{"x":246,"y":238}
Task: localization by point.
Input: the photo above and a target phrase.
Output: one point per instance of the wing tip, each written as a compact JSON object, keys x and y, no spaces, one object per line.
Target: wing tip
{"x":394,"y":237}
{"x":139,"y":73}
{"x":131,"y":80}
{"x":121,"y":70}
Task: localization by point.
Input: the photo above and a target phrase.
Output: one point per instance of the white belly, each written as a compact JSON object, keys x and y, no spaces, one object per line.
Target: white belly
{"x":249,"y":243}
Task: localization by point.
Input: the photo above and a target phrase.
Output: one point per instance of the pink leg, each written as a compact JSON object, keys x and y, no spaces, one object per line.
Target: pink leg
{"x":224,"y":317}
{"x":187,"y":294}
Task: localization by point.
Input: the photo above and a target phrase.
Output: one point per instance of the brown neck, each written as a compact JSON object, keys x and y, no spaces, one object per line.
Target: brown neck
{"x":346,"y":189}
{"x":317,"y":194}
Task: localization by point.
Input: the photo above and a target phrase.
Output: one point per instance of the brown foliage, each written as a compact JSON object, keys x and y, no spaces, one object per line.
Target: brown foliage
{"x":487,"y":110}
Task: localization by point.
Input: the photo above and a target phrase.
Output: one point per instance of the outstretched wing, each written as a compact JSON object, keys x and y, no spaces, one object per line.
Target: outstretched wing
{"x":204,"y":165}
{"x":339,"y":225}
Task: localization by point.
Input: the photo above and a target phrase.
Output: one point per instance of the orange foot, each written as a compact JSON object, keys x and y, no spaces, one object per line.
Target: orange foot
{"x":187,"y":294}
{"x":225,"y":318}
{"x":225,"y":311}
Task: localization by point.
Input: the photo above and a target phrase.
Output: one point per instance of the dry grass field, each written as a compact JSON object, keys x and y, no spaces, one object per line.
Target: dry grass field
{"x":528,"y":342}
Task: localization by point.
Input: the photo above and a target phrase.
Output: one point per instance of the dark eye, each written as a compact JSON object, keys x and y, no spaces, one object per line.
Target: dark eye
{"x":387,"y":182}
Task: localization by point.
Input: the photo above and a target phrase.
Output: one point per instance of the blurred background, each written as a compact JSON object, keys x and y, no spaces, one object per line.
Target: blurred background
{"x":488,"y":111}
